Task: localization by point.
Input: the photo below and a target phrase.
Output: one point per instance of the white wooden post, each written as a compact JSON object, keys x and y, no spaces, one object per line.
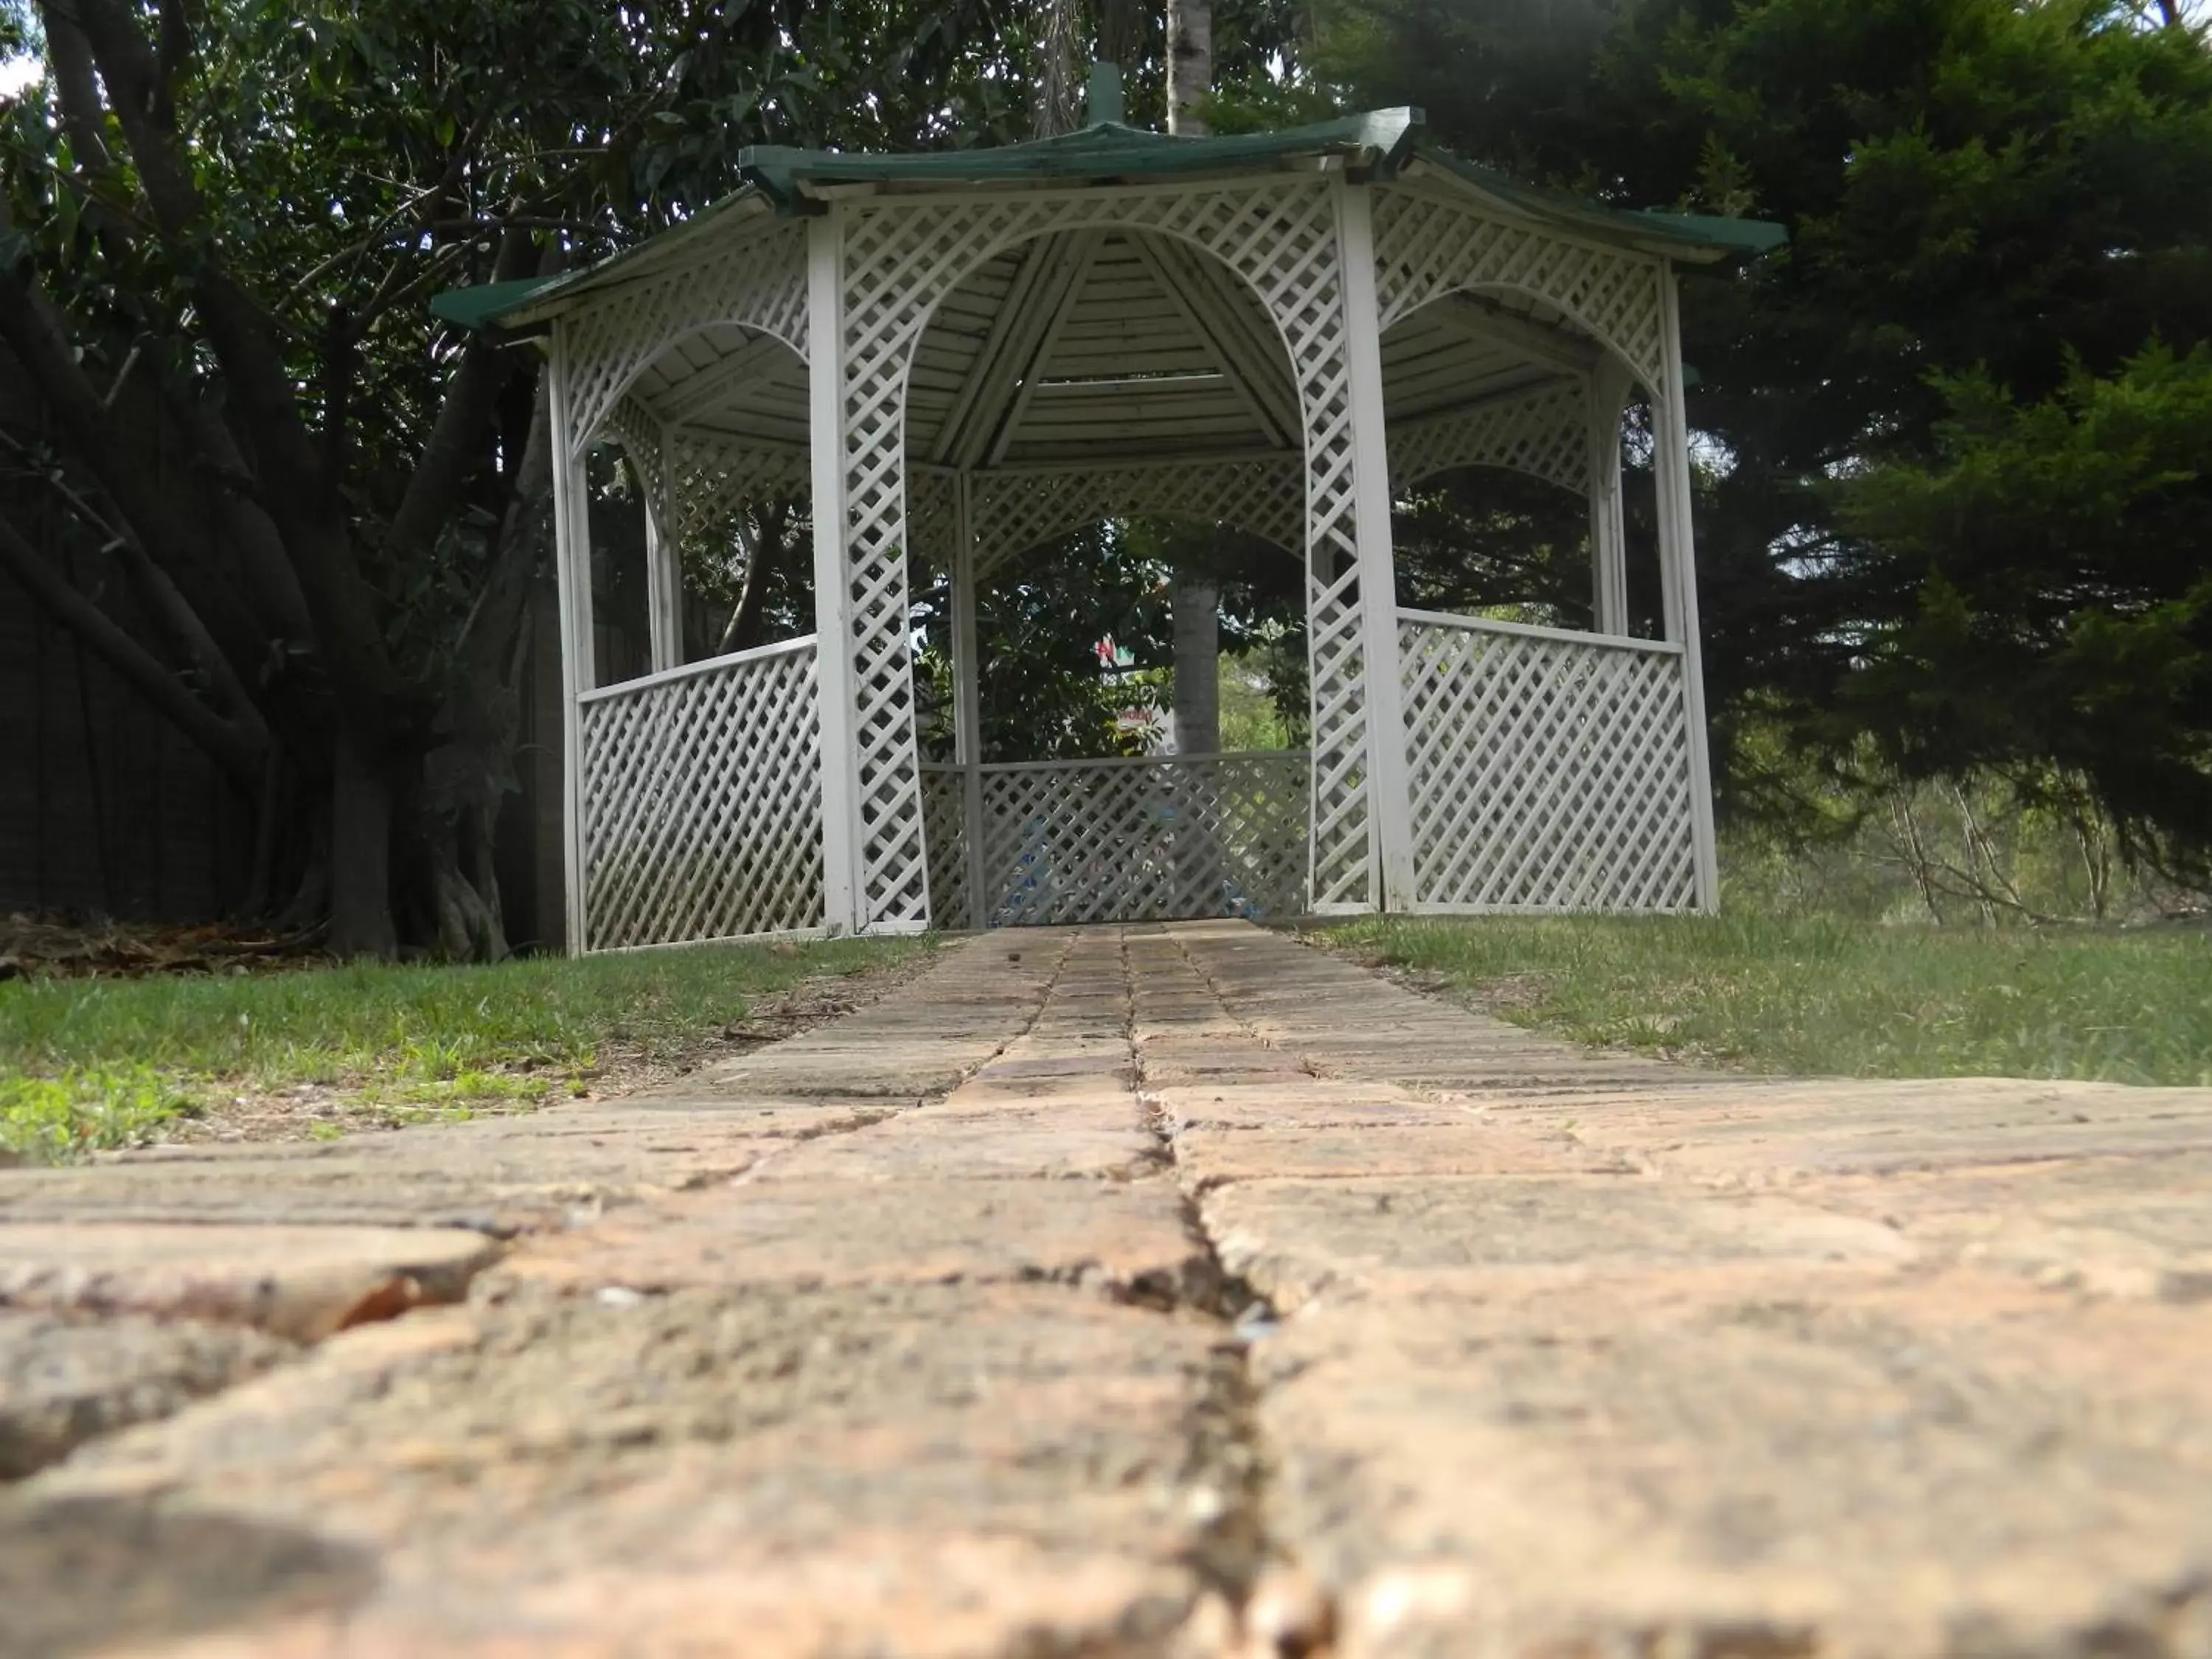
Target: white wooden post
{"x":967,"y":693}
{"x":1608,"y":387}
{"x":572,"y":568}
{"x":664,"y":573}
{"x":1679,"y":575}
{"x":1388,"y":801}
{"x":833,"y":593}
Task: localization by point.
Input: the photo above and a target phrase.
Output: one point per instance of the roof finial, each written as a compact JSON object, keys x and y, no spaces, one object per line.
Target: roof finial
{"x":1102,"y":99}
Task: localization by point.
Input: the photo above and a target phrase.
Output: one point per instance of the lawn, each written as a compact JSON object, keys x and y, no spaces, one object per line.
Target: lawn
{"x":1860,"y":999}
{"x":92,"y":1063}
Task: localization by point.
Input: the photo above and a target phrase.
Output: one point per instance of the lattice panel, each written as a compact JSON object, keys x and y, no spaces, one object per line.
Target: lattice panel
{"x":703,"y":803}
{"x":755,"y":276}
{"x":1173,"y":838}
{"x":712,"y":475}
{"x":1014,"y":511}
{"x":1546,"y":773}
{"x":901,"y":257}
{"x":634,"y":426}
{"x":944,"y":815}
{"x":1546,"y":433}
{"x":1426,"y":246}
{"x":931,"y":517}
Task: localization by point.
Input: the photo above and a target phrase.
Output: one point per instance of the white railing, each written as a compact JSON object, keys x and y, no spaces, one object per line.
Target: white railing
{"x":1150,"y":839}
{"x":701,"y":792}
{"x":1548,"y":770}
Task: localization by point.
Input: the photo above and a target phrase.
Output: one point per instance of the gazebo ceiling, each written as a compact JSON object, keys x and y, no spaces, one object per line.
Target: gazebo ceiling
{"x":1092,"y":348}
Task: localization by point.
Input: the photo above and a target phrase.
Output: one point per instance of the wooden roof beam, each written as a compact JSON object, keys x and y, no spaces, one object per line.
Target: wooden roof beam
{"x":1222,"y":293}
{"x":1057,"y":294}
{"x":1479,"y":319}
{"x":950,"y":430}
{"x":1231,"y":354}
{"x":709,"y":386}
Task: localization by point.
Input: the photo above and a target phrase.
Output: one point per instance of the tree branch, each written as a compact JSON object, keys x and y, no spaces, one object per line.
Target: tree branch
{"x":455,"y":442}
{"x":77,"y":91}
{"x":245,"y":340}
{"x":239,"y":755}
{"x":275,"y":584}
{"x":25,"y":325}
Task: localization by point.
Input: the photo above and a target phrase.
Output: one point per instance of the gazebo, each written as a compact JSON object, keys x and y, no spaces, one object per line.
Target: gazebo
{"x":959,"y":356}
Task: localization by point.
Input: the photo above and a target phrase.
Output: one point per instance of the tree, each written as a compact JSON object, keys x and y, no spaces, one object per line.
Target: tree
{"x":218,"y":228}
{"x":2063,"y":624}
{"x":1981,"y":193}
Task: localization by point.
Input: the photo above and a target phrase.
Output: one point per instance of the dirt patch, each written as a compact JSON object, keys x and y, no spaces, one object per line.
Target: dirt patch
{"x":63,"y":947}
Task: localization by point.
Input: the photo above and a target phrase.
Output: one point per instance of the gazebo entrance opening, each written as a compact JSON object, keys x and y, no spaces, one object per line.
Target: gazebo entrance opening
{"x":1082,"y":376}
{"x":947,"y":359}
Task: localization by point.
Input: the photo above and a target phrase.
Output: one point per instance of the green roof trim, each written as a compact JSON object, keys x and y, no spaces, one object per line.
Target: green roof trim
{"x":1686,"y":230}
{"x":486,"y":303}
{"x":1738,"y":235}
{"x":1382,"y":143}
{"x":1105,"y":150}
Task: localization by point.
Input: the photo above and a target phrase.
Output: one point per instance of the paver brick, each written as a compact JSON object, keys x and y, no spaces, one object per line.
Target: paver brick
{"x":1742,"y":1460}
{"x":303,"y":1283}
{"x":771,"y":1473}
{"x":1126,"y":1239}
{"x":65,"y":1380}
{"x":927,"y":1333}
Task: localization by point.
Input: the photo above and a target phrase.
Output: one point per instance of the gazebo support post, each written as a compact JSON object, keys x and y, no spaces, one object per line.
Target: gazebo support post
{"x":664,"y":576}
{"x":1608,"y":389}
{"x":833,"y":604}
{"x":967,"y":696}
{"x":1389,"y":798}
{"x":1679,"y":578}
{"x":571,"y":568}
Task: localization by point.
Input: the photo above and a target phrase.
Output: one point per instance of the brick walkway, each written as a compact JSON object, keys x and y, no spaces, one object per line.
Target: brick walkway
{"x":1134,"y":1290}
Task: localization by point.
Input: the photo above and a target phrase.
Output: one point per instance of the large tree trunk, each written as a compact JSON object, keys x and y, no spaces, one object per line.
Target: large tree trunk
{"x":1197,"y":600}
{"x":1195,"y":607}
{"x":361,"y":852}
{"x":1191,"y":64}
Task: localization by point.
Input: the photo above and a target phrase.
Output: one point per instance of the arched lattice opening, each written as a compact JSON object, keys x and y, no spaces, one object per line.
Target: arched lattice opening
{"x":698,"y":744}
{"x":1071,"y":391}
{"x":1507,"y":429}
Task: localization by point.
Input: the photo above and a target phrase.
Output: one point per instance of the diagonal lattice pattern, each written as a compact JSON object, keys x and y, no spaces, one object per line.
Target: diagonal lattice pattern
{"x":900,"y":258}
{"x":711,"y":476}
{"x":1545,"y":434}
{"x":755,"y":275}
{"x":1427,"y":245}
{"x":1547,"y":772}
{"x":1160,"y":839}
{"x":632,"y":425}
{"x":703,"y":802}
{"x":931,"y":522}
{"x":944,"y":811}
{"x":1014,"y":511}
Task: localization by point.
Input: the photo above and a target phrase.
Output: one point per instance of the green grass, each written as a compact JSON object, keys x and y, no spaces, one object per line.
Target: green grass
{"x":92,"y":1063}
{"x":1847,"y":998}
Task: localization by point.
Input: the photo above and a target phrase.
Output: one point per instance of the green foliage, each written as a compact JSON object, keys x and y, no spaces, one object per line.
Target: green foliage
{"x":114,"y":1055}
{"x":1982,"y":194}
{"x":2065,"y":607}
{"x":1251,"y":718}
{"x":1039,"y":619}
{"x":48,"y":1120}
{"x":1826,"y":996}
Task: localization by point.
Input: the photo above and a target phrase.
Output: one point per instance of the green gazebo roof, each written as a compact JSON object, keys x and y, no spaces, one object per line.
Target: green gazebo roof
{"x":1379,"y":145}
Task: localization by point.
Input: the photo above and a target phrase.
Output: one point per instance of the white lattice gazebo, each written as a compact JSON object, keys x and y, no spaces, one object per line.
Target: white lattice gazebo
{"x":961,"y":355}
